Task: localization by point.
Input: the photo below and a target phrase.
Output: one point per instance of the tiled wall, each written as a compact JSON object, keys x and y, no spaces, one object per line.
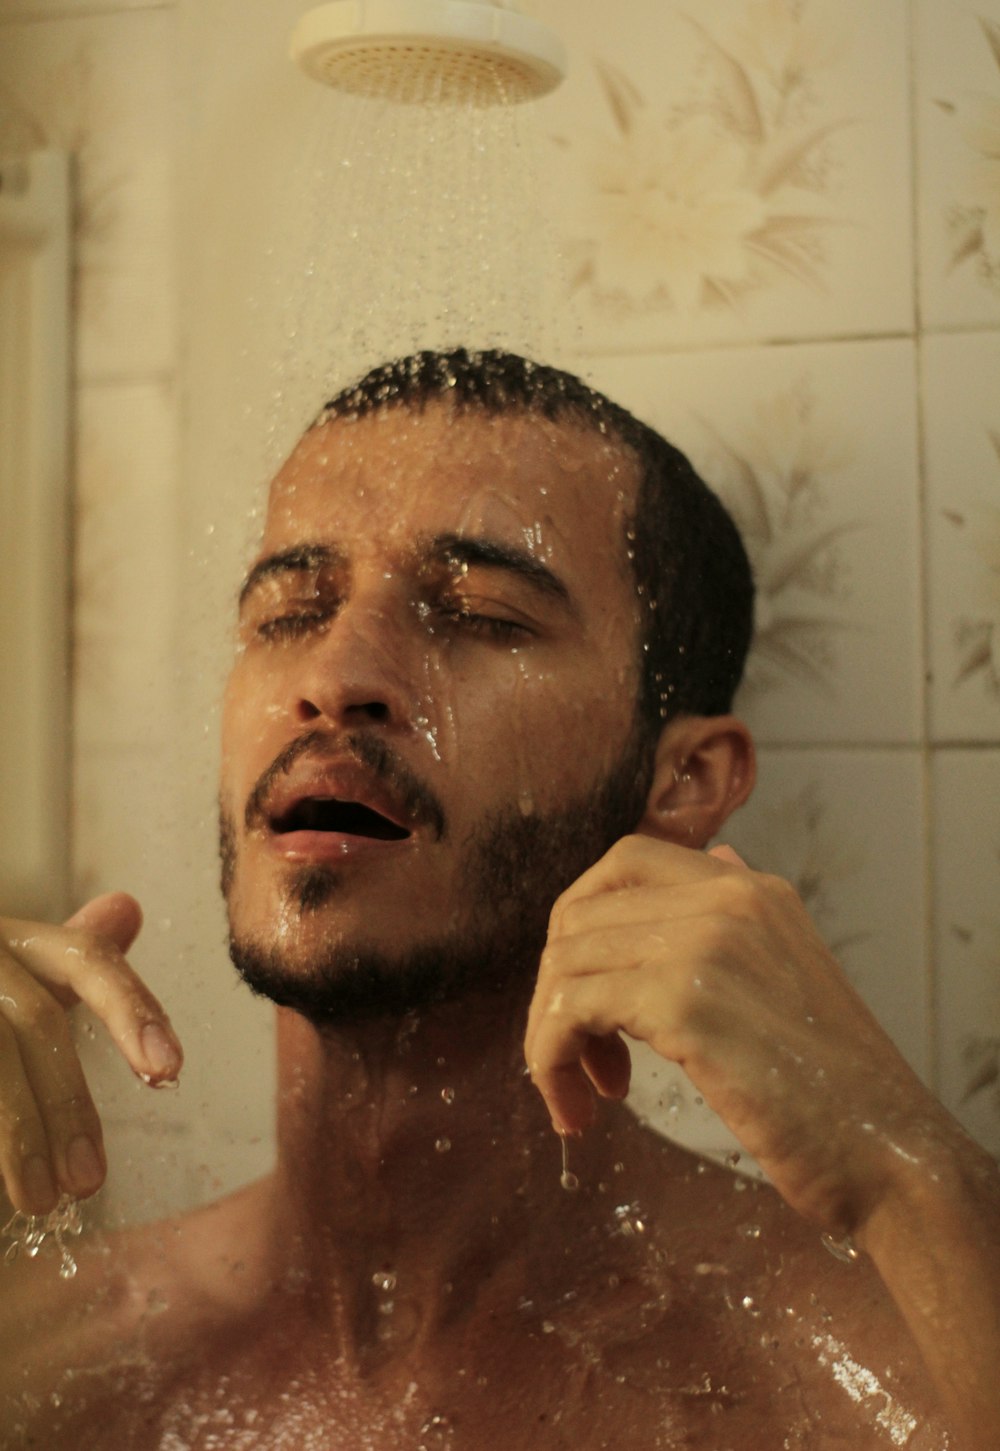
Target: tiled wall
{"x":781,"y":226}
{"x":824,"y":178}
{"x":100,"y":81}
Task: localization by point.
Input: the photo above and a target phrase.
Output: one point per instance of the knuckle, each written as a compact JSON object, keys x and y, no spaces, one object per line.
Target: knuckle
{"x":570,"y":915}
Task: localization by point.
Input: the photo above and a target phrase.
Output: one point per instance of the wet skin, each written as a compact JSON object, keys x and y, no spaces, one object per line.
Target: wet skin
{"x":459,"y":589}
{"x":494,"y":683}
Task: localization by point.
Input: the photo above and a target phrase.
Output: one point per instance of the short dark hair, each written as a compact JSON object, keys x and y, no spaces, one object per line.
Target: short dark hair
{"x":690,"y":567}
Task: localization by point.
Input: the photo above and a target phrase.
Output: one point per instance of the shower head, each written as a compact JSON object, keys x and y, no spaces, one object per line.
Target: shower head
{"x":471,"y":52}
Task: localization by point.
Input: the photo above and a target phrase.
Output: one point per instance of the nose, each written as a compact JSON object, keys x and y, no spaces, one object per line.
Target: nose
{"x":358,"y":672}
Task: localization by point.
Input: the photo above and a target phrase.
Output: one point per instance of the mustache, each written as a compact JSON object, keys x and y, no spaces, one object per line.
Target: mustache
{"x":419,"y":803}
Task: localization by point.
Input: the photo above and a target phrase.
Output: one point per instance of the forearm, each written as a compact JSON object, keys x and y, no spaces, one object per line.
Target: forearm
{"x":935,"y":1239}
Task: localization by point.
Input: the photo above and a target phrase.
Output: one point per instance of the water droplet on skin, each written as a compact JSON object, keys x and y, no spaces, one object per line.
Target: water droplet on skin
{"x":442,"y":1145}
{"x":750,"y":1231}
{"x":448,"y":1095}
{"x":28,"y":1232}
{"x":384,"y":1280}
{"x":732,"y":1159}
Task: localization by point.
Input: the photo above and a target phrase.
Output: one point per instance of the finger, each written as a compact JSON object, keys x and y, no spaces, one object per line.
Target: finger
{"x":638,"y":861}
{"x":48,"y":1111}
{"x":24,"y":1149}
{"x":114,"y":914}
{"x":563,"y":1026}
{"x":75,"y":965}
{"x":608,"y":1064}
{"x":650,"y":910}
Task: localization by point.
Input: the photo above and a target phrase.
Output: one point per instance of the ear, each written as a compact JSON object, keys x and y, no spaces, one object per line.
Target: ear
{"x":705,"y":768}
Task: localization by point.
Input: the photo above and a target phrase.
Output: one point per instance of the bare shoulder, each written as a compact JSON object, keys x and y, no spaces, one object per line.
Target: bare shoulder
{"x":770,"y":1314}
{"x":140,"y":1297}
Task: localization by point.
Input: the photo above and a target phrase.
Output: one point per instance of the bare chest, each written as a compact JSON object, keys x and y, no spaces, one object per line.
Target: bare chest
{"x":555,"y":1385}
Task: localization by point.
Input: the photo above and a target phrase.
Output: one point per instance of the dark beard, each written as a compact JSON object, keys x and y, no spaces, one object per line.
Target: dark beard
{"x":516,"y":866}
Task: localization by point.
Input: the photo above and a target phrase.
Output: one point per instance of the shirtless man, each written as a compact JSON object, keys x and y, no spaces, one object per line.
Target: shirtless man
{"x":503,"y":621}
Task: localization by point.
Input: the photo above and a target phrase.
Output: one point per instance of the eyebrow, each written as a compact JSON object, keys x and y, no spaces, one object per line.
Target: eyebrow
{"x":492,"y":554}
{"x":447,"y":548}
{"x":299,"y":558}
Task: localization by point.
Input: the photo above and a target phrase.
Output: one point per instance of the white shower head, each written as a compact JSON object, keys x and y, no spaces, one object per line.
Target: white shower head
{"x":433,"y":51}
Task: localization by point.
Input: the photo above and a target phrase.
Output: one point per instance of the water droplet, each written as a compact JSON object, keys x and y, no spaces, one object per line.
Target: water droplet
{"x":448,"y":1094}
{"x":629,"y":1220}
{"x":384,"y":1280}
{"x":750,"y":1231}
{"x":442,"y":1145}
{"x":733,"y":1159}
{"x":567,"y":1178}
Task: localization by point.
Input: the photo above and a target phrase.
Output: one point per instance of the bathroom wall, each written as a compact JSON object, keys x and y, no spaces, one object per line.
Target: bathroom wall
{"x":780,"y":225}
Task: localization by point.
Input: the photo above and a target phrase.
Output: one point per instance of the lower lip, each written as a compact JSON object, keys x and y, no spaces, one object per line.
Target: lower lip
{"x":331,"y":846}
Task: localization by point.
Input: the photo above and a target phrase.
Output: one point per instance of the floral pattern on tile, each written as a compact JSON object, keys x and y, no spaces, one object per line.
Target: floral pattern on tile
{"x":967,"y":937}
{"x":974,"y":221}
{"x":977,"y":637}
{"x":776,"y":479}
{"x":724,"y":192}
{"x":961,"y":390}
{"x":814,"y":450}
{"x":958,"y":86}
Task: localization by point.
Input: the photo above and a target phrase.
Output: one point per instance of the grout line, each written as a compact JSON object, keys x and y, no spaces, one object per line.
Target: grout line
{"x":889,"y":747}
{"x":931,"y":993}
{"x":726,"y":345}
{"x":58,"y":13}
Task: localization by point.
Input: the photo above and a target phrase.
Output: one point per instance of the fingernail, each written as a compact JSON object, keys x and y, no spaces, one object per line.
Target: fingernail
{"x":159,"y":1051}
{"x":39,"y":1184}
{"x":86,"y":1170}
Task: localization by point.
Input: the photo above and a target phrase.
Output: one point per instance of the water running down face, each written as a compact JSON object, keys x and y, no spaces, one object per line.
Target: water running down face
{"x":436,"y":632}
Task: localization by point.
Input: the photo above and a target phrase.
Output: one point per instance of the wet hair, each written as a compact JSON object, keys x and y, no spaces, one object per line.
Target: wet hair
{"x":690,"y":568}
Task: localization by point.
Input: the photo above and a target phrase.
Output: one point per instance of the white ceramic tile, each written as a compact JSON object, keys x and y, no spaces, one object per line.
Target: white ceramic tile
{"x":734,"y":170}
{"x":967,"y":948}
{"x":961,"y":392}
{"x":102,"y":87}
{"x":125,"y":568}
{"x":814,"y":450}
{"x":958,"y":190}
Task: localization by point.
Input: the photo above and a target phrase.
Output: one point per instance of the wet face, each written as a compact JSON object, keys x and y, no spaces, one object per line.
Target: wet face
{"x":429,"y":729}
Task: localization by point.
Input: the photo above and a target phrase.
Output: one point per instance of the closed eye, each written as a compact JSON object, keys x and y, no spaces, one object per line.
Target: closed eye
{"x":491,"y":626}
{"x":292,"y":625}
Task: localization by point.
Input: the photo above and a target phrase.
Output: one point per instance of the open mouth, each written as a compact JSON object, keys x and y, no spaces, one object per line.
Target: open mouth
{"x":347,"y":818}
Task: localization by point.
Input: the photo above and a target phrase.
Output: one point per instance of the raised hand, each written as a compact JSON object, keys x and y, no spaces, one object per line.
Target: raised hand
{"x":50,"y":1133}
{"x":719,"y":968}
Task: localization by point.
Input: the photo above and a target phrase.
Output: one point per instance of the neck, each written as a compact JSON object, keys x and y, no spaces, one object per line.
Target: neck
{"x":416,"y":1159}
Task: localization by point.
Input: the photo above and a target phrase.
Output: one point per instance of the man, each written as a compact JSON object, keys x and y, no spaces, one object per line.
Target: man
{"x":476,"y":737}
